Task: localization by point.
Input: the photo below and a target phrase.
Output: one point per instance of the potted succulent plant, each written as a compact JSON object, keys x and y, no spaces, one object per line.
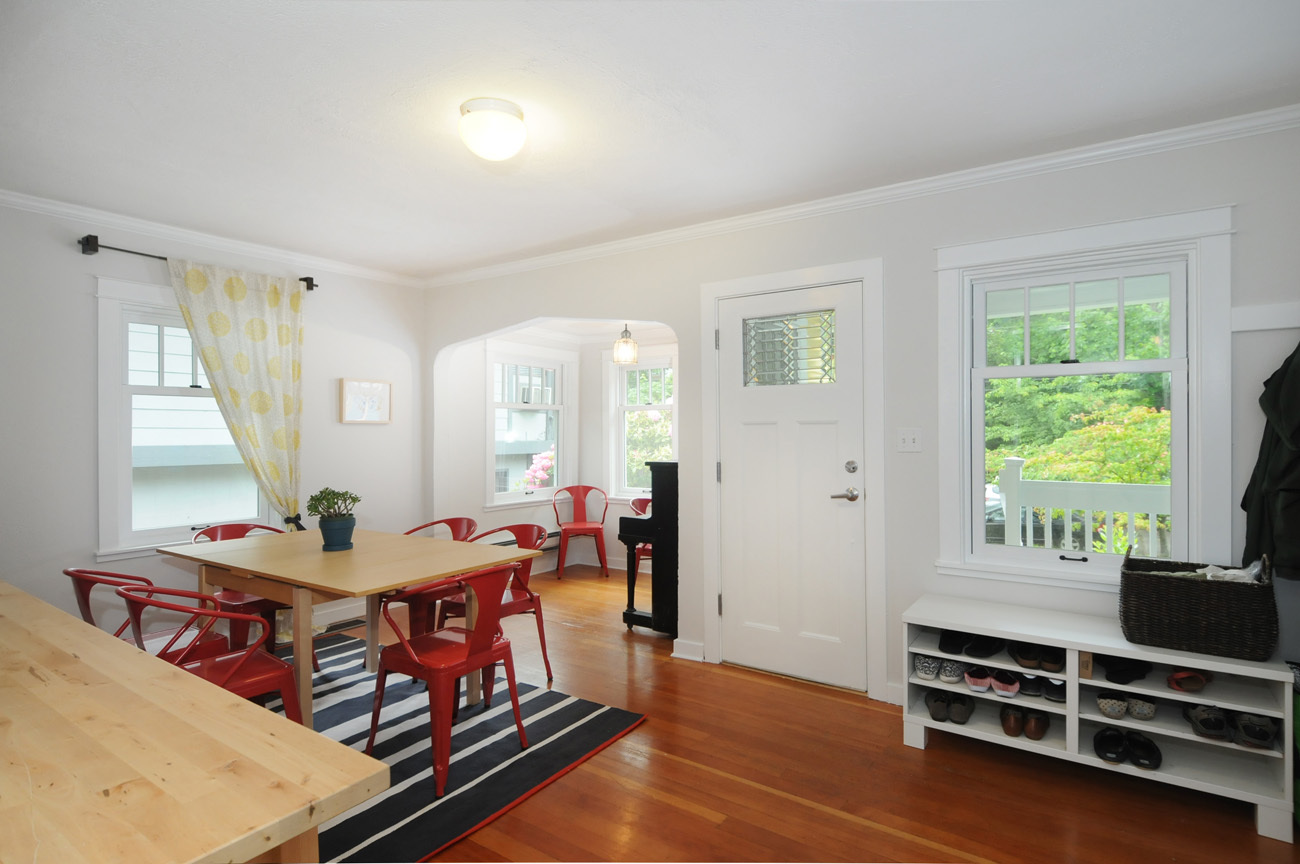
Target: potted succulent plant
{"x":334,"y":509}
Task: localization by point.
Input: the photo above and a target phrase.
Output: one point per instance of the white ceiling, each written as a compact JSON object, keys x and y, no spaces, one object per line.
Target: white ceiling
{"x":328,"y":127}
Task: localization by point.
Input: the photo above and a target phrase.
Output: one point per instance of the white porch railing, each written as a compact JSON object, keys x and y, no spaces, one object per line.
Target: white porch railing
{"x":1021,"y":498}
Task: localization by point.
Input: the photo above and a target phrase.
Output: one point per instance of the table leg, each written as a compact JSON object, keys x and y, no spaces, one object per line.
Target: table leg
{"x":474,"y":686}
{"x":302,"y":650}
{"x":372,"y":633}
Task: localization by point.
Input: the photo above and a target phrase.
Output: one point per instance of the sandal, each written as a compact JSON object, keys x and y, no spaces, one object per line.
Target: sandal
{"x":1208,"y":721}
{"x":1253,"y":730}
{"x":1189,"y":680}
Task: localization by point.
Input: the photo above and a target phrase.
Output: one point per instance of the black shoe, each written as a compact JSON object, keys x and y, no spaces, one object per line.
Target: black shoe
{"x":1030,"y":685}
{"x":985,"y":646}
{"x":1142,"y":751}
{"x":1054,"y":689}
{"x":954,"y":641}
{"x":1109,"y":744}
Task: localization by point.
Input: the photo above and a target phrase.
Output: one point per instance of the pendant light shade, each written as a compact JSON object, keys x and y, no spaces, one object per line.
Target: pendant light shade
{"x":493,"y":129}
{"x":625,"y":348}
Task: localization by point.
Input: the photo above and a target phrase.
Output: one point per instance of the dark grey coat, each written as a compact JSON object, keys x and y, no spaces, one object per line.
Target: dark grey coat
{"x":1272,"y":499}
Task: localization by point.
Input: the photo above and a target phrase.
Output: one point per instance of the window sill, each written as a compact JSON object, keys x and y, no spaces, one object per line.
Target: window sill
{"x":1030,"y":575}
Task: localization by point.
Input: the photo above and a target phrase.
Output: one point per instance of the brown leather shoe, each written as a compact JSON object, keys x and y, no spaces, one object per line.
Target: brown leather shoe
{"x":1013,"y":721}
{"x":1036,"y":723}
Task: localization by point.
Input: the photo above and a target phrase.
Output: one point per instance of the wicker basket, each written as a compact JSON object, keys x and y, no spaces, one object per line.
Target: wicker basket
{"x":1227,"y":619}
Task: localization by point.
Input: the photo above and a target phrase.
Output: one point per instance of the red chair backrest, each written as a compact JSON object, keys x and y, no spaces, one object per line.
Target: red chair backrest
{"x":84,"y":581}
{"x":489,"y":588}
{"x":203,"y":615}
{"x":232,"y":531}
{"x":526,"y":537}
{"x":641,"y":506}
{"x":461,"y":527}
{"x":579,"y":495}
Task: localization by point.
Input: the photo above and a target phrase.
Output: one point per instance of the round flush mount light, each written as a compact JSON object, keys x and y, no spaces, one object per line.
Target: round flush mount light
{"x":493,"y":129}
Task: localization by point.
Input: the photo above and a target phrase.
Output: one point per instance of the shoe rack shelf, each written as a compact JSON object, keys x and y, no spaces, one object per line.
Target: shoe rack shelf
{"x":1262,"y":777}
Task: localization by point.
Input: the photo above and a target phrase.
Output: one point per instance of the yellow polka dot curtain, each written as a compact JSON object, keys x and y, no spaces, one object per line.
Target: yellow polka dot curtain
{"x":247,"y":328}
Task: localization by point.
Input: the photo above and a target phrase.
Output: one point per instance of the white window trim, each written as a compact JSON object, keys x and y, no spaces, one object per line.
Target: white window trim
{"x":650,"y":357}
{"x":1204,"y":238}
{"x":115,"y":300}
{"x":566,"y":363}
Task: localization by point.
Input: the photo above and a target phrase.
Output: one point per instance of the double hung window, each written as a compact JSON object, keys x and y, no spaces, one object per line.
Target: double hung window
{"x":1080,"y":415}
{"x":168,"y":465}
{"x":529,"y":422}
{"x":644,"y":428}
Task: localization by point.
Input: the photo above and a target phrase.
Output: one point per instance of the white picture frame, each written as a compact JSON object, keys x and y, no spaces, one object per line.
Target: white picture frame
{"x":363,"y":401}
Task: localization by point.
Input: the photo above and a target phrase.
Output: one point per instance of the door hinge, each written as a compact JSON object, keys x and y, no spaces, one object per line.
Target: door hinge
{"x":717,"y":339}
{"x":719,"y":605}
{"x":719,"y":472}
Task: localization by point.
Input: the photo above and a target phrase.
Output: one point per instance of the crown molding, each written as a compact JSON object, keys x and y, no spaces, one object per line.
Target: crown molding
{"x":106,"y":219}
{"x":1246,"y":125}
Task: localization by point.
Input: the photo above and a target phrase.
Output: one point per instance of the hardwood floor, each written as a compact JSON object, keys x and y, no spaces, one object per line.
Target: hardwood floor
{"x":737,"y":765}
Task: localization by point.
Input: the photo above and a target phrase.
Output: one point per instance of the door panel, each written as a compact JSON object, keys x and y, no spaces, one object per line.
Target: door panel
{"x":792,"y":562}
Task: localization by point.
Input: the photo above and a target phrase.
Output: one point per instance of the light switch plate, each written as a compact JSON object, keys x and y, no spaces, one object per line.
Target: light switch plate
{"x":909,"y":440}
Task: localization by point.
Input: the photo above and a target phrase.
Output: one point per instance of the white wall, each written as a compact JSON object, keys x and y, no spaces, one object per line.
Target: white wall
{"x":1259,"y":175}
{"x":363,"y":327}
{"x":355,"y":328}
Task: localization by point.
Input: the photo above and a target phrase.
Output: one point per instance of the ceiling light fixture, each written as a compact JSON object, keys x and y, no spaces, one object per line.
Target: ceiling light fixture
{"x":625,"y":348}
{"x":493,"y":129}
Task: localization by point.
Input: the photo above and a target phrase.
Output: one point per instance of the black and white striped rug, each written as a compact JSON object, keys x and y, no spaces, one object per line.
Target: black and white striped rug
{"x":489,"y":773}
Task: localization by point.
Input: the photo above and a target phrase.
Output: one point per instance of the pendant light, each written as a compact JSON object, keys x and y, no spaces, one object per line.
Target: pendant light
{"x":625,"y":348}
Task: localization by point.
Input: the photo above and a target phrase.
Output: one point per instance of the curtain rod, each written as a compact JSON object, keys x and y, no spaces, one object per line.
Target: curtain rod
{"x":90,"y":245}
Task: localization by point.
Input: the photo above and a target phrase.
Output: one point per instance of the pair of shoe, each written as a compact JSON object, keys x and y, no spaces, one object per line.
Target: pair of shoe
{"x":1188,"y":680}
{"x":1033,"y":724}
{"x":943,"y":705}
{"x":1117,"y":706}
{"x":1115,"y":746}
{"x":1248,"y":730}
{"x":1030,"y":656}
{"x":1031,"y":685}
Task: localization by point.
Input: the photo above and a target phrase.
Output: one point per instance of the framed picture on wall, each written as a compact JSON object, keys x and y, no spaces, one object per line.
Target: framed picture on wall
{"x":365,"y":401}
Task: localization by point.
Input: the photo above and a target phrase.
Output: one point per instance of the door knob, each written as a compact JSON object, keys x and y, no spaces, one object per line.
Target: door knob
{"x":849,"y":493}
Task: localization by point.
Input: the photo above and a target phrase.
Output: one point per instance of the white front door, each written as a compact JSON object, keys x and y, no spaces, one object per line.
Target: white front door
{"x":792,"y":524}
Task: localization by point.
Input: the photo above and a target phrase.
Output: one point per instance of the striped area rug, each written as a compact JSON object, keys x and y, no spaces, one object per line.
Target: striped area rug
{"x":489,"y":772}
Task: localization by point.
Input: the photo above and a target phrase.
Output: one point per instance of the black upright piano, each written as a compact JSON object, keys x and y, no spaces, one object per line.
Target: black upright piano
{"x":658,"y":527}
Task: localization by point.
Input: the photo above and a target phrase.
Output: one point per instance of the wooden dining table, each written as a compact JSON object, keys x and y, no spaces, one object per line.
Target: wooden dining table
{"x":109,"y":754}
{"x":293,"y":569}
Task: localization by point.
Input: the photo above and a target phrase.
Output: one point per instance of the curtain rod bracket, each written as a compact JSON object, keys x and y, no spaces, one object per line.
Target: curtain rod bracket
{"x":310,"y":282}
{"x":89,"y":244}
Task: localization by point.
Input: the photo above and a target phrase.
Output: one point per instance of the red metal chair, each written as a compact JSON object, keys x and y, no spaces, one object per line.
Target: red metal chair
{"x":242,"y":602}
{"x":246,"y":672}
{"x":85,"y":581}
{"x":580,"y":525}
{"x":519,"y":598}
{"x":641,"y":506}
{"x":443,"y":657}
{"x":461,"y":528}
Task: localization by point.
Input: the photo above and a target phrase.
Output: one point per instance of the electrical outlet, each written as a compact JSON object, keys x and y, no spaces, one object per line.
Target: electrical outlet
{"x":909,"y":440}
